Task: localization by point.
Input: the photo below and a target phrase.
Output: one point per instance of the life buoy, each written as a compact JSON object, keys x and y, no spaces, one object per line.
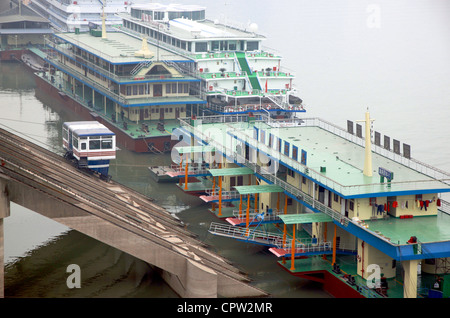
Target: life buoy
{"x":268,"y":107}
{"x":290,"y":107}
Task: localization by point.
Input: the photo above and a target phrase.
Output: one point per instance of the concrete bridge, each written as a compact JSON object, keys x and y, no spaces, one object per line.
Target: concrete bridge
{"x":44,"y":182}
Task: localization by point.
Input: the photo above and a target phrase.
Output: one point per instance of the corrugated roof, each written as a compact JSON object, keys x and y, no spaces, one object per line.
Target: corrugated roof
{"x":230,"y":172}
{"x":251,"y":189}
{"x":305,"y":218}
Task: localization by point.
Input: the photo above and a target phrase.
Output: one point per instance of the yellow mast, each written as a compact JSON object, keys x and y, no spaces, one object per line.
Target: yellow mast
{"x":103,"y":23}
{"x":368,"y":145}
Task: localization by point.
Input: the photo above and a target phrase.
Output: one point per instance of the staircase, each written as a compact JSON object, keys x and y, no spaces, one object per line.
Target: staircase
{"x":140,"y":66}
{"x":244,"y":67}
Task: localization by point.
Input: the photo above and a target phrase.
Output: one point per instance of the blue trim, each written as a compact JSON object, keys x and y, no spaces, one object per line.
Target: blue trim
{"x":356,"y":196}
{"x":255,"y":111}
{"x":295,"y":152}
{"x":397,"y":252}
{"x":126,"y":105}
{"x":160,"y":80}
{"x":128,"y":82}
{"x":166,"y":103}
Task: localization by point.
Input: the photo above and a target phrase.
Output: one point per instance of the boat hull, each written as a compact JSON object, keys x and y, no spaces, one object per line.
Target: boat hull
{"x":137,"y":144}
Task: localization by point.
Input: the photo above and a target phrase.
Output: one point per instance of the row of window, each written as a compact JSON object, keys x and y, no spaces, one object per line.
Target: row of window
{"x":336,"y":197}
{"x":95,"y":143}
{"x":144,"y":89}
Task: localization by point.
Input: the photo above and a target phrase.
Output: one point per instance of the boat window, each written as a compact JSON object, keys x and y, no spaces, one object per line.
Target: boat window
{"x":94,"y":144}
{"x":252,"y":46}
{"x":75,"y":142}
{"x":65,"y":133}
{"x":201,"y":47}
{"x":83,"y":146}
{"x":107,"y":144}
{"x":214,"y":45}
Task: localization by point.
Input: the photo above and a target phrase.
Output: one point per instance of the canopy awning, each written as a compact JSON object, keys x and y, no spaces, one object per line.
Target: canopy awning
{"x":192,"y":149}
{"x":305,"y":218}
{"x":230,"y":172}
{"x":251,"y":189}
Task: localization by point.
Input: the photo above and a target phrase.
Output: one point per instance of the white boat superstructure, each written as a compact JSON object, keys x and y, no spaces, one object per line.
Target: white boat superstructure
{"x":68,"y":15}
{"x":235,"y":69}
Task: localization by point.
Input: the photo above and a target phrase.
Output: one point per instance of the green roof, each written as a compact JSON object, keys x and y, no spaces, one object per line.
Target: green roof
{"x":251,"y":189}
{"x":230,"y":172}
{"x":191,"y":149}
{"x":305,"y":218}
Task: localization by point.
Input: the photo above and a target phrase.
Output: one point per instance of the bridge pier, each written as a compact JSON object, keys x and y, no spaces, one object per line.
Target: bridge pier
{"x":4,"y":212}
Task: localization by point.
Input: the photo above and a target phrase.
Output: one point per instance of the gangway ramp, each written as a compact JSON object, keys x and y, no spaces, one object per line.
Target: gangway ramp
{"x":246,"y":234}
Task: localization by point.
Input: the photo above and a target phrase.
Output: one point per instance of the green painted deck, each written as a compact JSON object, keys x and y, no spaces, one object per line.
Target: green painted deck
{"x":425,"y":228}
{"x":230,"y":172}
{"x":305,"y":218}
{"x":251,"y":189}
{"x":342,"y":159}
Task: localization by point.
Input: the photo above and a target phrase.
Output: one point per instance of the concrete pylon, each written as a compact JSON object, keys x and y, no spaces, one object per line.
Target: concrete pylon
{"x":4,"y":212}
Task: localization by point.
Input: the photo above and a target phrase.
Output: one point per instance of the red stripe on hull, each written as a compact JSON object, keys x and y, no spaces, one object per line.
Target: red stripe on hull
{"x":330,"y":283}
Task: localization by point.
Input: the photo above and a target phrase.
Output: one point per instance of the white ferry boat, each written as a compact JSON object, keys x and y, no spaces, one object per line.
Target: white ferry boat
{"x":237,"y":74}
{"x":68,"y":15}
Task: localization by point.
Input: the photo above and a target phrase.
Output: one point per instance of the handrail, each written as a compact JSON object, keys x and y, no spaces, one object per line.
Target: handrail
{"x":275,"y":180}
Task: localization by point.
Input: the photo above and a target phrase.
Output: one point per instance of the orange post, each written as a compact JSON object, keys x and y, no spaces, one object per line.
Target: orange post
{"x":334,"y":245}
{"x":247,"y":218}
{"x":278,"y":202}
{"x":324,"y":256}
{"x":284,"y":229}
{"x":285,"y":204}
{"x":181,"y":166}
{"x":186,"y":175}
{"x":220,"y":196}
{"x":293,"y":249}
{"x":240,"y":206}
{"x":214,"y":193}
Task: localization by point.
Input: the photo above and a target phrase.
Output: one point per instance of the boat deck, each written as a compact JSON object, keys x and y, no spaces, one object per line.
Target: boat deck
{"x":425,"y":228}
{"x":347,"y":265}
{"x":342,"y":159}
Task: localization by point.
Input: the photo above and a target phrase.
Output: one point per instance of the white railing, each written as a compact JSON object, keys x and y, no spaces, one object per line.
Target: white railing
{"x":228,"y":194}
{"x":257,"y":169}
{"x":247,"y":234}
{"x":256,"y":216}
{"x":278,"y":240}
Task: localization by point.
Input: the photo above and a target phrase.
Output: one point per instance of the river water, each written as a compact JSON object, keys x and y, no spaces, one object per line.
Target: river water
{"x":390,"y":56}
